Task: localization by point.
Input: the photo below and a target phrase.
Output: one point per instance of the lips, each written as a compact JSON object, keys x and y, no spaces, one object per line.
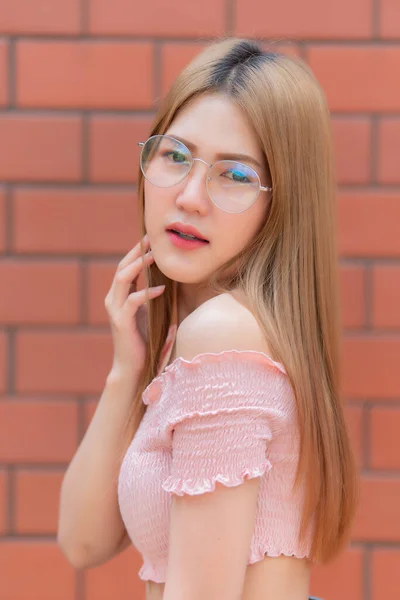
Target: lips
{"x":195,"y":238}
{"x":188,"y":229}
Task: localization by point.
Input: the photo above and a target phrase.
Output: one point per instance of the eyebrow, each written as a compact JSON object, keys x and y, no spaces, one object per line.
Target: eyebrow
{"x":219,"y":156}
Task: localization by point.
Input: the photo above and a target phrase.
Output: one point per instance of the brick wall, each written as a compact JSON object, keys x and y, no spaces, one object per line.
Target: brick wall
{"x":79,"y":80}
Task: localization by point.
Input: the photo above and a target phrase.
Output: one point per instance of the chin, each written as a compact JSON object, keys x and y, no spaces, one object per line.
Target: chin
{"x":182,"y":273}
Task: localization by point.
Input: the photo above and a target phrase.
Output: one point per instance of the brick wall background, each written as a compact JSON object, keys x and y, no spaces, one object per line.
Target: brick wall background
{"x":79,"y":80}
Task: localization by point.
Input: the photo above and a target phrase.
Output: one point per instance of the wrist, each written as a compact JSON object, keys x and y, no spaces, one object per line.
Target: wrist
{"x":120,"y":375}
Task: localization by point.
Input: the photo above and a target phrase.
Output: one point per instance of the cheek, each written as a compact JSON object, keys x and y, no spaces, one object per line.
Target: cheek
{"x":156,"y":202}
{"x":235,"y":233}
{"x":246,"y":226}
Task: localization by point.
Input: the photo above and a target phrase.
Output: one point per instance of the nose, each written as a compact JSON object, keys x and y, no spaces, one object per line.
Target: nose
{"x":193,"y":194}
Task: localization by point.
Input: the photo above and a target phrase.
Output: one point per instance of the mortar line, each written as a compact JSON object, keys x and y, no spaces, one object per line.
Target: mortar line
{"x":366,"y":435}
{"x":366,"y":575}
{"x":230,"y":17}
{"x":375,"y":20}
{"x":368,"y":294}
{"x":157,"y":72}
{"x":375,"y":148}
{"x":10,"y":517}
{"x":11,"y":75}
{"x":10,"y":353}
{"x":8,"y":221}
{"x":84,"y":18}
{"x":83,"y":303}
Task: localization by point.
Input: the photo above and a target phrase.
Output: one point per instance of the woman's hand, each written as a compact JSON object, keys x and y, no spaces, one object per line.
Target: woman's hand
{"x":126,"y":311}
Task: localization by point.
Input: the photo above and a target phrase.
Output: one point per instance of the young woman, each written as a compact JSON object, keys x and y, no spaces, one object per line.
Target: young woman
{"x":219,"y":447}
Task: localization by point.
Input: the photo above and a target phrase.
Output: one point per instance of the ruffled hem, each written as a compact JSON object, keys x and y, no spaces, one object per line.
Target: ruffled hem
{"x":258,"y":554}
{"x":153,"y":390}
{"x":158,"y":574}
{"x":193,"y":487}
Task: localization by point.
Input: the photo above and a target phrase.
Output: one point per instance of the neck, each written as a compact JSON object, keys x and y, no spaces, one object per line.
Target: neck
{"x":189,"y":297}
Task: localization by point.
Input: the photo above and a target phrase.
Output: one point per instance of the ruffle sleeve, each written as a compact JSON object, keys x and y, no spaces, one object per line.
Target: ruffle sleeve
{"x":222,"y":411}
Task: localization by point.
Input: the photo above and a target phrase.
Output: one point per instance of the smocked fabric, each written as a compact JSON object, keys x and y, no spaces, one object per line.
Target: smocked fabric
{"x":220,"y":417}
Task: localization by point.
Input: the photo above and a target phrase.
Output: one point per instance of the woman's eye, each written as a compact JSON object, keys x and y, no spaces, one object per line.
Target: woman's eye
{"x":236,"y":176}
{"x":176,"y":157}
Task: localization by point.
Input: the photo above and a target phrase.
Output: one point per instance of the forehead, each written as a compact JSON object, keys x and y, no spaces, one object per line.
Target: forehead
{"x":214,"y":123}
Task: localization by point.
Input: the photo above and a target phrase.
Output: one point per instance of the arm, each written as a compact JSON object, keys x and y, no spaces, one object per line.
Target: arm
{"x":210,"y":538}
{"x":218,"y":456}
{"x":90,"y":528}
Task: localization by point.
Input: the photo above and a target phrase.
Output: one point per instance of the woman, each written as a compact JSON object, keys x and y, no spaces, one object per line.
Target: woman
{"x":219,"y":447}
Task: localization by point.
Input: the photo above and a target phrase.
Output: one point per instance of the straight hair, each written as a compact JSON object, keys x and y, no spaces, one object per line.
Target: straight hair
{"x":288,"y":273}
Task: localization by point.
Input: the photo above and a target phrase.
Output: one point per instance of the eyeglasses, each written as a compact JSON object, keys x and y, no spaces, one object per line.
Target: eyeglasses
{"x":232,"y":186}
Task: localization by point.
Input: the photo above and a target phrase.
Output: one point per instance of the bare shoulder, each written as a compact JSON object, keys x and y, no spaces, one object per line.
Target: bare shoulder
{"x":219,"y":324}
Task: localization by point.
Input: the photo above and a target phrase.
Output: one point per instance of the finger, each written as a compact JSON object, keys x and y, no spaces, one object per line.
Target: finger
{"x":127,"y":278}
{"x":133,"y":254}
{"x":137,"y":299}
{"x":128,"y":259}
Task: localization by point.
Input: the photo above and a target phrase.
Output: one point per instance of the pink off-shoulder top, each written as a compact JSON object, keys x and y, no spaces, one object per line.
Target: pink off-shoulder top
{"x":219,"y":417}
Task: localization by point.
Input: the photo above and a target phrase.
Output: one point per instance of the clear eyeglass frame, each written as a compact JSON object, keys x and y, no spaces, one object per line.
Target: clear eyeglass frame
{"x":210,"y":166}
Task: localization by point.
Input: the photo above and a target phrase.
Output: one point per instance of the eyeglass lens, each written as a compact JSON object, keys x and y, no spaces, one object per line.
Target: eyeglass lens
{"x":232,"y":186}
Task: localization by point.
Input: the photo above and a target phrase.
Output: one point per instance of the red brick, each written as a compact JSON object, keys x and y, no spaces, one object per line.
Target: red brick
{"x":38,"y":306}
{"x":352,"y":282}
{"x":157,"y":18}
{"x":3,"y":224}
{"x":41,"y":16}
{"x":378,"y":512}
{"x":389,"y":18}
{"x":87,"y":74}
{"x":286,"y":47}
{"x":386,"y":299}
{"x":389,"y":151}
{"x":65,"y":362}
{"x":308,"y":19}
{"x":3,"y":71}
{"x":358,"y":78}
{"x":371,"y":367}
{"x":174,"y":57}
{"x":32,"y":570}
{"x":385,"y":573}
{"x":38,"y":431}
{"x":37,"y":495}
{"x":385,"y":442}
{"x":3,"y":361}
{"x":3,"y":500}
{"x":342,"y":578}
{"x":368,"y":224}
{"x":86,"y":220}
{"x":99,"y":281}
{"x":40,"y":148}
{"x":354,"y":420}
{"x":114,"y":150}
{"x":352,"y":148}
{"x":116,"y":579}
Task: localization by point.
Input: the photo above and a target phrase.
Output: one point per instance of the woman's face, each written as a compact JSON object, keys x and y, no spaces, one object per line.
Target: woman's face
{"x":215,"y":125}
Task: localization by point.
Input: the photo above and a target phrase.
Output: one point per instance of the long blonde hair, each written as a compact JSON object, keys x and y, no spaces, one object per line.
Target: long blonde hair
{"x":288,"y":273}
